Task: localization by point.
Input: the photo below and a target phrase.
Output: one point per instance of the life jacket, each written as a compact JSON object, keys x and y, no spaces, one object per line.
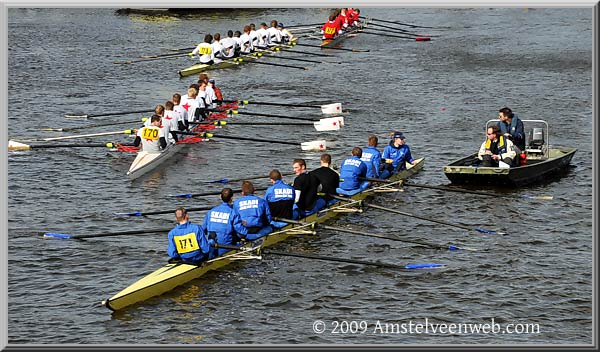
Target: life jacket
{"x":501,"y":145}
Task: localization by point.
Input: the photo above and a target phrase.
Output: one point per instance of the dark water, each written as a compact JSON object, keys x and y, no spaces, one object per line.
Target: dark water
{"x":537,"y":61}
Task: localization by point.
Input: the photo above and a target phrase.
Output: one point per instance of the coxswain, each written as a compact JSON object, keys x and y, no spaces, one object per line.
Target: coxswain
{"x":254,"y":211}
{"x":171,"y":118}
{"x":205,"y":51}
{"x":223,"y":224}
{"x":274,"y":36}
{"x":247,"y":47}
{"x":151,"y":137}
{"x":306,"y":187}
{"x":351,"y":172}
{"x":372,"y":157}
{"x":187,"y":241}
{"x":217,"y":90}
{"x":286,"y":35}
{"x":217,"y":48}
{"x":330,"y":29}
{"x":328,"y":179}
{"x":182,"y":122}
{"x":229,"y":44}
{"x":396,"y":154}
{"x":280,"y":197}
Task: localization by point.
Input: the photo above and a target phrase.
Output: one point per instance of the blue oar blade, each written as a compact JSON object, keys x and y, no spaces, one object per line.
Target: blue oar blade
{"x":453,"y":248}
{"x":136,"y":213}
{"x":223,"y":180}
{"x":425,"y":266}
{"x":182,"y":195}
{"x":457,"y":248}
{"x":57,"y":235}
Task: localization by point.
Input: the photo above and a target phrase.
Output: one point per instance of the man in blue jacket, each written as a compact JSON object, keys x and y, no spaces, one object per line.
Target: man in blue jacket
{"x":395,"y":155}
{"x":351,"y":172}
{"x":254,"y":211}
{"x":187,"y":241}
{"x":223,"y":224}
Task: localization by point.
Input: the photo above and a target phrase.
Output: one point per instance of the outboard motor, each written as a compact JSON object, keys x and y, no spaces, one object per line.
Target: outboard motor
{"x":536,"y":138}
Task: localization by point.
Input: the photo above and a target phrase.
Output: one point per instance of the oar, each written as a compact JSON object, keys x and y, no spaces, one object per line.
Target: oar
{"x":88,"y":135}
{"x":225,"y":180}
{"x":105,"y":234}
{"x":151,"y":59}
{"x":476,"y":192}
{"x":224,"y":123}
{"x":478,"y":229}
{"x":297,"y":59}
{"x":368,"y":234}
{"x":159,"y":212}
{"x":67,"y":129}
{"x":333,"y":48}
{"x":396,"y":22}
{"x":247,"y":102}
{"x":318,"y":145}
{"x":110,"y":113}
{"x":236,"y":112}
{"x":398,"y":30}
{"x":214,"y":193}
{"x":339,"y":260}
{"x":12,"y":145}
{"x":161,"y":55}
{"x":418,"y":39}
{"x":270,"y":63}
{"x":294,"y":50}
{"x":183,"y":49}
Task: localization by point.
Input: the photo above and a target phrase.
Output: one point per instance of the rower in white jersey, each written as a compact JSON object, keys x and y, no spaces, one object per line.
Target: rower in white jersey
{"x":253,"y":35}
{"x":171,"y":119}
{"x":210,"y":92}
{"x":203,"y":99}
{"x":247,"y":47}
{"x":151,"y":137}
{"x":274,"y":36}
{"x":217,"y":48}
{"x":263,"y":36}
{"x":205,"y":51}
{"x":190,"y":103}
{"x":158,"y":110}
{"x":238,"y":40}
{"x":286,"y":35}
{"x":229,"y":45}
{"x":182,"y":123}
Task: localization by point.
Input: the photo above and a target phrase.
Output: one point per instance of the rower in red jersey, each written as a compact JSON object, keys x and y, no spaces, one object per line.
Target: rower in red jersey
{"x":342,"y":19}
{"x":331,"y":29}
{"x":352,"y":17}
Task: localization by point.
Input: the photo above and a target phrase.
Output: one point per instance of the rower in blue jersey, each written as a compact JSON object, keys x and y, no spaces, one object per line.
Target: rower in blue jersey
{"x":280,"y":197}
{"x":187,"y":241}
{"x":223,"y":224}
{"x":372,"y":157}
{"x":254,"y":211}
{"x":351,"y":172}
{"x":395,"y":155}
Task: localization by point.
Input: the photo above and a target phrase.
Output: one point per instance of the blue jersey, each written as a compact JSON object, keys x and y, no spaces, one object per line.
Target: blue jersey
{"x":279,"y":191}
{"x":372,"y":157}
{"x":351,"y":170}
{"x":223,"y":221}
{"x":399,"y":155}
{"x":188,"y":243}
{"x":254,"y":210}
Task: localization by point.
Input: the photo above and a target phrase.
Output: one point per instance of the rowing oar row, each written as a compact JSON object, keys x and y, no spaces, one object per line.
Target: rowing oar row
{"x":460,"y":190}
{"x":123,"y":113}
{"x":318,"y":145}
{"x":418,"y":39}
{"x":398,"y":23}
{"x":15,"y":146}
{"x":67,"y":129}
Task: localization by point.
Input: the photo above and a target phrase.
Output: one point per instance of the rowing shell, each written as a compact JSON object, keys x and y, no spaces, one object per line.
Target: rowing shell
{"x":172,"y":275}
{"x":197,"y":68}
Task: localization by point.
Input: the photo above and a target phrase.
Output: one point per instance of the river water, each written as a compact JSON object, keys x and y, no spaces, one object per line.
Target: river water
{"x":536,"y":61}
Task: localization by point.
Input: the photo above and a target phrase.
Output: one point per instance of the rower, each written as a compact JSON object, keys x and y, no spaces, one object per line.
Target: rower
{"x":342,"y":19}
{"x":352,"y":15}
{"x":246,"y":45}
{"x":205,"y":51}
{"x":263,"y":36}
{"x":217,"y":48}
{"x":253,"y":35}
{"x":238,"y":41}
{"x":274,"y":36}
{"x":395,"y":155}
{"x":217,"y":90}
{"x":158,"y":110}
{"x":280,"y":197}
{"x":171,"y":118}
{"x":190,"y":103}
{"x":223,"y":224}
{"x":372,"y":157}
{"x":351,"y":172}
{"x":182,"y":122}
{"x":211,"y":96}
{"x":254,"y":211}
{"x":328,"y":179}
{"x":151,"y":137}
{"x":305,"y":186}
{"x":204,"y":100}
{"x":286,"y":35}
{"x":330,"y":29}
{"x":187,"y":241}
{"x":229,"y":45}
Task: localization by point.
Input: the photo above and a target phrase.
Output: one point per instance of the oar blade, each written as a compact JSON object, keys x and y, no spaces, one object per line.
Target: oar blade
{"x":328,"y":124}
{"x":329,"y":109}
{"x":182,"y":195}
{"x":312,"y":146}
{"x":57,"y":235}
{"x":136,"y":213}
{"x":424,"y":266}
{"x":12,"y":145}
{"x":537,"y":197}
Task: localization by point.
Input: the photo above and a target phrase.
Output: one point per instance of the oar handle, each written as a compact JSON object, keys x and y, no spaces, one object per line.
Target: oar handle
{"x":110,"y":113}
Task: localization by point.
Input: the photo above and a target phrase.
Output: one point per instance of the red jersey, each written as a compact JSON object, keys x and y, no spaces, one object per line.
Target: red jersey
{"x":352,"y":16}
{"x":342,"y":21}
{"x":330,"y":29}
{"x":218,"y":93}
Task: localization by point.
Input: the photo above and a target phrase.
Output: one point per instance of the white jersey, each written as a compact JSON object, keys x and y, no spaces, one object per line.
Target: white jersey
{"x":246,"y":46}
{"x":274,"y":36}
{"x":169,"y":122}
{"x":263,"y":38}
{"x":203,"y":99}
{"x":217,"y":48}
{"x":150,"y":138}
{"x":238,"y":42}
{"x":190,"y":105}
{"x":210,"y":92}
{"x":205,"y":51}
{"x":254,"y":38}
{"x":228,"y":50}
{"x":286,"y":36}
{"x":181,"y":112}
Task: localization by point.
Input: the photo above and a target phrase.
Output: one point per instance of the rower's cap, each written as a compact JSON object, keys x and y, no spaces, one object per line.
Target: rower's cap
{"x":212,"y":80}
{"x":398,"y":134}
{"x":280,"y":24}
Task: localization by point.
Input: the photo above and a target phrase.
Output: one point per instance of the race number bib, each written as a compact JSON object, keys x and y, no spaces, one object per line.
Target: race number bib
{"x":150,"y":133}
{"x":205,"y":50}
{"x":186,"y":243}
{"x":330,"y":30}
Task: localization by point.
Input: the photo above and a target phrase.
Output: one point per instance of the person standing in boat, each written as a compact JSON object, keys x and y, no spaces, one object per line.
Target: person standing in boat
{"x":280,"y":197}
{"x":152,"y":138}
{"x":328,"y":179}
{"x":496,"y":148}
{"x":254,"y":211}
{"x":512,"y":128}
{"x":372,"y":157}
{"x":187,"y":241}
{"x":331,"y":28}
{"x":205,"y":51}
{"x":305,"y":186}
{"x":223,"y":224}
{"x":351,"y":172}
{"x":395,"y":155}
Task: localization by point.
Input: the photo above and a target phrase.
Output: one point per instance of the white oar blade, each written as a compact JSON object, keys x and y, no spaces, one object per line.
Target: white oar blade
{"x":335,"y":108}
{"x":313,"y":145}
{"x":328,"y":124}
{"x":12,"y":145}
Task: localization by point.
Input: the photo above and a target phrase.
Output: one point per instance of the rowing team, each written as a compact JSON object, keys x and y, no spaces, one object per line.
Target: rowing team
{"x":214,"y":49}
{"x":177,"y":115}
{"x":251,"y":217}
{"x":340,"y":20}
